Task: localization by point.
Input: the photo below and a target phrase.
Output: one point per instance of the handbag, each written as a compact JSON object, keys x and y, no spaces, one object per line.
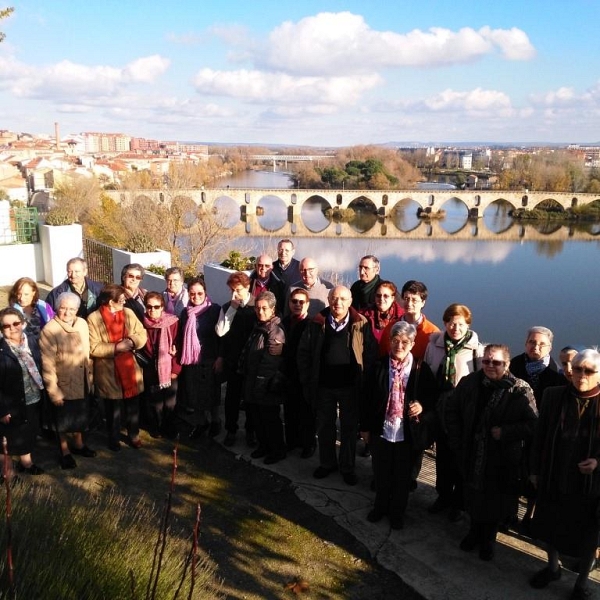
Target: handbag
{"x":143,"y":360}
{"x":423,"y":429}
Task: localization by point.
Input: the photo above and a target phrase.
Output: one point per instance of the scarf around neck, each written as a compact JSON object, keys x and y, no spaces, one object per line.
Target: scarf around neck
{"x":162,"y":353}
{"x":452,"y":349}
{"x":395,"y":407}
{"x":191,"y":353}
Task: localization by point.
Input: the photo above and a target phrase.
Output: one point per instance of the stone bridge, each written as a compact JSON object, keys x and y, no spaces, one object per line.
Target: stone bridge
{"x":383,"y":201}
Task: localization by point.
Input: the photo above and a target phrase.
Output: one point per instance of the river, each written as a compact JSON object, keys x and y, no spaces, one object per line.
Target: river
{"x":509,"y":286}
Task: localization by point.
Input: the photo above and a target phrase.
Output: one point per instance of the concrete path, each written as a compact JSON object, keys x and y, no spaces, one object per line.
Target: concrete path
{"x":425,"y":553}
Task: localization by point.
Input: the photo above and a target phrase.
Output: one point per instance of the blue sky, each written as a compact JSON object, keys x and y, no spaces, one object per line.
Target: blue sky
{"x":326,"y":73}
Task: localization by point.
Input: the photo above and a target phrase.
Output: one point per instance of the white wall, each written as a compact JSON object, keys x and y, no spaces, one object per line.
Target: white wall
{"x":21,"y":260}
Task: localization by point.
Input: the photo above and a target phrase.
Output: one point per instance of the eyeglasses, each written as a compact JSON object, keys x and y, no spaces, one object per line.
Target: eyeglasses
{"x":308,"y":270}
{"x":578,"y":370}
{"x":300,"y":302}
{"x":264,"y":266}
{"x":153,"y":306}
{"x":131,"y":276}
{"x":537,"y":344}
{"x":494,"y":363}
{"x":384,"y":295}
{"x":14,"y":324}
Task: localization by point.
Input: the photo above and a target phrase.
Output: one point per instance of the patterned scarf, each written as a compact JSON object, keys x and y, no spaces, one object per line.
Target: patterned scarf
{"x":534,"y":369}
{"x":162,"y":354}
{"x":395,"y":406}
{"x":449,"y":364}
{"x":125,"y":370}
{"x":32,"y":380}
{"x":191,"y":353}
{"x":382,"y":319}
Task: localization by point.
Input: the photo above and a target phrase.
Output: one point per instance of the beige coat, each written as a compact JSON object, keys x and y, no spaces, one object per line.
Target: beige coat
{"x":103,"y":353}
{"x":66,"y":365}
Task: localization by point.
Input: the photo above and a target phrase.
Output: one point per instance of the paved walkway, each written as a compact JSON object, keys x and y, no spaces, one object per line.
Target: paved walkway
{"x":425,"y":553}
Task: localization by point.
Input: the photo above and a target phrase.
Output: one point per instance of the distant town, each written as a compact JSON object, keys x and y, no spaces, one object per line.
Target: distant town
{"x":36,"y":163}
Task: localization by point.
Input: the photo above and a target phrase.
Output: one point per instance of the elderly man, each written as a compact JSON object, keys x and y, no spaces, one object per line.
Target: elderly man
{"x":318,"y":289}
{"x":286,"y":267}
{"x":78,"y":283}
{"x":336,"y":349}
{"x":263,"y":279}
{"x":176,"y":295}
{"x":363,"y":290}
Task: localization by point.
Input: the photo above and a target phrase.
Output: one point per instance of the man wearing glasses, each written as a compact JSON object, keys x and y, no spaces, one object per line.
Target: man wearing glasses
{"x":318,"y":289}
{"x":363,"y":290}
{"x":263,"y":279}
{"x":176,"y":295}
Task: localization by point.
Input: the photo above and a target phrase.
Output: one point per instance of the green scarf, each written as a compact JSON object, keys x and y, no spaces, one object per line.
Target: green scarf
{"x":449,"y":364}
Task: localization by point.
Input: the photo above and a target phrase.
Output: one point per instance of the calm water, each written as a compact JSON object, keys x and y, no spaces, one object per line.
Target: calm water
{"x":508,"y":285}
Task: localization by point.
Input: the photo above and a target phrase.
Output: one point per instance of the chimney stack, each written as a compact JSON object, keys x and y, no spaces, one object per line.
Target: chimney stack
{"x":57,"y":135}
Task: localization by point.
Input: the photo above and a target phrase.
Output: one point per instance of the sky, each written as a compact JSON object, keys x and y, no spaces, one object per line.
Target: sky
{"x":315,"y":73}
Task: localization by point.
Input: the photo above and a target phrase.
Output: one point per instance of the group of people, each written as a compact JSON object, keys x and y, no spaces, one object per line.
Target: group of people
{"x":503,"y":428}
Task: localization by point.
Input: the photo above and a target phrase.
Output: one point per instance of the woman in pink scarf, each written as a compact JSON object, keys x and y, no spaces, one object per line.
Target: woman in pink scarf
{"x":402,"y":392}
{"x":200,"y":390}
{"x":160,"y":374}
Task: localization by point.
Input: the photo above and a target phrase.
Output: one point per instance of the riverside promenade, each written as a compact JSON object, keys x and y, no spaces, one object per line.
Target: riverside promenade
{"x":425,"y":554}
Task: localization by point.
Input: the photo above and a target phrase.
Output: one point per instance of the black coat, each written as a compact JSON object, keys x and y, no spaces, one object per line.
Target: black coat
{"x":549,"y":377}
{"x":421,"y":386}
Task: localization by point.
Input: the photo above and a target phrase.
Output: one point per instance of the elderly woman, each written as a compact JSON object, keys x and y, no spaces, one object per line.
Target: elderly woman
{"x":564,"y":468}
{"x":65,"y":348}
{"x":490,"y":418}
{"x":402,"y":392}
{"x":451,"y":354}
{"x":162,"y":368}
{"x":115,"y":332}
{"x":21,"y":388}
{"x":198,"y":348}
{"x":25,"y":297}
{"x":131,"y":278}
{"x":385,"y":310}
{"x":260,"y":362}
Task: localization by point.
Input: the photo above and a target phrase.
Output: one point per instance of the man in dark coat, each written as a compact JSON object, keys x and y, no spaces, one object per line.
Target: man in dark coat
{"x":363,"y":290}
{"x":263,"y":279}
{"x":286,"y":267}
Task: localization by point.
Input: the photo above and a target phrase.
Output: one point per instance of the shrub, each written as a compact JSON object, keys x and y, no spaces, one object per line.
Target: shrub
{"x":140,"y":242}
{"x":60,"y":216}
{"x":238,"y":262}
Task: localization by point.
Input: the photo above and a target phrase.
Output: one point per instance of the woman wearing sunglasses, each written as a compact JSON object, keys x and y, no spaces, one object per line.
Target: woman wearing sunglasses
{"x":564,"y":467}
{"x":131,"y":278}
{"x":21,"y":389}
{"x":490,"y":418}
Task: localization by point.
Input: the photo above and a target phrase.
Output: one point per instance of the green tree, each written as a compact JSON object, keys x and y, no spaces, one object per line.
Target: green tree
{"x":5,"y":13}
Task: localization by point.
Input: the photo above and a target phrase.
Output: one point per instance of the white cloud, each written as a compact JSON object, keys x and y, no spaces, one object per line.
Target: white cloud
{"x":146,"y":69}
{"x":259,"y":86}
{"x":343,"y":43}
{"x":476,"y":100}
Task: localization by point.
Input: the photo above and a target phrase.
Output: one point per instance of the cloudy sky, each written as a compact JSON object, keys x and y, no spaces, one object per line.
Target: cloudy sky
{"x":321,"y":73}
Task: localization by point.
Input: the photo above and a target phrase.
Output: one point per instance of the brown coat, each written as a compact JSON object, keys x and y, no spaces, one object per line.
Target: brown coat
{"x":66,"y":365}
{"x":103,"y":353}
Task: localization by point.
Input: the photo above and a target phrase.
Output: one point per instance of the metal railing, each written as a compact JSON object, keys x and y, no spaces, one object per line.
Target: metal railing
{"x":99,"y":259}
{"x":19,"y":226}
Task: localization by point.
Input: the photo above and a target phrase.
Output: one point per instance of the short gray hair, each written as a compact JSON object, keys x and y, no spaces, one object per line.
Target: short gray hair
{"x":404,"y":328}
{"x":68,"y":296}
{"x":269,"y":297}
{"x":590,"y":356}
{"x":539,"y":329}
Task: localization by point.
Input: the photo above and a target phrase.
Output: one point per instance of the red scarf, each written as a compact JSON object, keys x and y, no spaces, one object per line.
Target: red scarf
{"x":125,"y":369}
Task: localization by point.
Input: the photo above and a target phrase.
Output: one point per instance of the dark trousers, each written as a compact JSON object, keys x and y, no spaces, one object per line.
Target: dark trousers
{"x":448,"y":480}
{"x":299,"y":420}
{"x":392,"y":464}
{"x":159,"y":408}
{"x":233,"y":399}
{"x":269,"y":428}
{"x":131,"y":410}
{"x":328,"y":401}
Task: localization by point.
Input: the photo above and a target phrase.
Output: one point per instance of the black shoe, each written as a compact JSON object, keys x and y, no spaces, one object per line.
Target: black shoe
{"x":350,"y":478}
{"x":366,"y":451}
{"x":322,"y":472}
{"x":374,"y":516}
{"x":251,"y":439}
{"x":469,"y":542}
{"x":229,"y":439}
{"x":67,"y":461}
{"x":438,"y":506}
{"x":33,"y":469}
{"x":274,"y":458}
{"x":581,"y":593}
{"x":114,"y":446}
{"x":542,"y":578}
{"x":215,"y":429}
{"x":487,"y":551}
{"x":258,"y":453}
{"x":524,"y":527}
{"x":307,"y":452}
{"x":84,"y":451}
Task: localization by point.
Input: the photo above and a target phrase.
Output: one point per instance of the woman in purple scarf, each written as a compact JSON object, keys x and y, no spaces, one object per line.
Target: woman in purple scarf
{"x":197,"y":351}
